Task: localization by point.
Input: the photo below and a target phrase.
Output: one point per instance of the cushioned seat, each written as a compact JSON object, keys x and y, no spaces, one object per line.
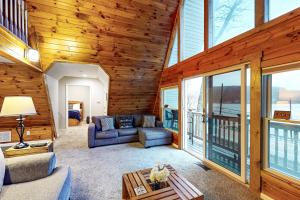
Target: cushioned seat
{"x":155,"y":133}
{"x":127,"y":131}
{"x":107,"y":134}
{"x":54,"y":187}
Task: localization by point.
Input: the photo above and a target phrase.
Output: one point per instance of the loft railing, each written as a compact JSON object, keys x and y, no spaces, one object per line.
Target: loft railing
{"x":13,"y":16}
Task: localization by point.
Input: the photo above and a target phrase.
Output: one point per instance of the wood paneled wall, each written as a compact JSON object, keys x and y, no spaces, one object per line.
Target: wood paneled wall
{"x":20,"y":80}
{"x":273,"y":43}
{"x":128,"y":38}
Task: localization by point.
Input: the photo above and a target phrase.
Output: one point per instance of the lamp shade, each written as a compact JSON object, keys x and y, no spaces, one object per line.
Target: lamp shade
{"x":17,"y":105}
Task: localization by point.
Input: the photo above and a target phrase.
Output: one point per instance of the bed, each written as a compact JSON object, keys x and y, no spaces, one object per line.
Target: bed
{"x":75,"y":112}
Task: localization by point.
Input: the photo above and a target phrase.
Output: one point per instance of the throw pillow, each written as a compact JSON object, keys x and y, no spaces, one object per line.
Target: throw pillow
{"x":149,"y":121}
{"x":2,"y":169}
{"x":107,"y":124}
{"x":126,"y":122}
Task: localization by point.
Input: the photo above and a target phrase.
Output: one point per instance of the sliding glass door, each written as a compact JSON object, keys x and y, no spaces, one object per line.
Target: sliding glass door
{"x":193,"y":126}
{"x":225,"y":139}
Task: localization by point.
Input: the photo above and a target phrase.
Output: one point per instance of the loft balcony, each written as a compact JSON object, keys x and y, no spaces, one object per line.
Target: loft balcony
{"x":13,"y":16}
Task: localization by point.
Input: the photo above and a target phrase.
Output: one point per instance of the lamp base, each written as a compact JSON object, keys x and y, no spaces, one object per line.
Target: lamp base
{"x":21,"y":145}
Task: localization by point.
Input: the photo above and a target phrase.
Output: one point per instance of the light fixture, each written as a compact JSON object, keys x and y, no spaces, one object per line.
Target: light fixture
{"x":33,"y":55}
{"x":84,"y":75}
{"x":18,"y":106}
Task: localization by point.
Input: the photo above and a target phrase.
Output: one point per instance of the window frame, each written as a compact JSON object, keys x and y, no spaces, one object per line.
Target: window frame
{"x":181,"y":28}
{"x":267,"y":115}
{"x":162,"y":104}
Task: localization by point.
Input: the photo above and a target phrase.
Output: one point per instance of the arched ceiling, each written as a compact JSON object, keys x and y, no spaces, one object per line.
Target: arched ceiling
{"x":128,"y":38}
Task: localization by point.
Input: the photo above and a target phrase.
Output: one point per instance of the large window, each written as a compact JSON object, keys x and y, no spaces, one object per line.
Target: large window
{"x":192,"y":28}
{"x":170,"y":108}
{"x":174,"y":52}
{"x":282,"y":136}
{"x":229,"y":18}
{"x":280,"y":7}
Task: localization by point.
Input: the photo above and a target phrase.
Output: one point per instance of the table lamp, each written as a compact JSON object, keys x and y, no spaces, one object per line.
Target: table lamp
{"x":18,"y":106}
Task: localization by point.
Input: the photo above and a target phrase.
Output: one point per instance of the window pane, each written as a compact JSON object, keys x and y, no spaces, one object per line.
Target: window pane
{"x":230,"y":18}
{"x":170,"y":108}
{"x":280,"y":7}
{"x":284,"y":148}
{"x":193,"y":27}
{"x":223,"y":135}
{"x":286,"y":93}
{"x":283,"y":137}
{"x":174,"y":52}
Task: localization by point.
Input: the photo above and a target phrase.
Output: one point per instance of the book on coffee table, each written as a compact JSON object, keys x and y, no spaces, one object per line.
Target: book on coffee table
{"x":140,"y":190}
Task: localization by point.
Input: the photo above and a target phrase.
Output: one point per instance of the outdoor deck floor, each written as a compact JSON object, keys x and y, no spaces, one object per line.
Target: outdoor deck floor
{"x":195,"y":148}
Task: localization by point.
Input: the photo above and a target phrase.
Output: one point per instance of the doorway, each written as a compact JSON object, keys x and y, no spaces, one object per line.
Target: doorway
{"x":193,"y":127}
{"x":78,"y":104}
{"x":216,"y":115}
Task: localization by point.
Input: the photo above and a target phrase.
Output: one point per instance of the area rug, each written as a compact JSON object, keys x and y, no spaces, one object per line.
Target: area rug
{"x":97,"y":172}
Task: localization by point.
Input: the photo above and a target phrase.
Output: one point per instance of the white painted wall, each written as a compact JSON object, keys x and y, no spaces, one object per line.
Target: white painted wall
{"x":80,"y":93}
{"x":52,"y":84}
{"x":98,"y":96}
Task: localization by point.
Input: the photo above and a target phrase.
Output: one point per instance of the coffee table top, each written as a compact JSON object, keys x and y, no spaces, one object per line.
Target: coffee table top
{"x":179,"y":187}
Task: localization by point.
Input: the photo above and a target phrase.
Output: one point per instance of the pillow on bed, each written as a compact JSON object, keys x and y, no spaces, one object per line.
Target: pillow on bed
{"x":107,"y":124}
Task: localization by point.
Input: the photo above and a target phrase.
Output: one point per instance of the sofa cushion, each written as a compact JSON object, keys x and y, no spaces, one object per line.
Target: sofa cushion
{"x":97,"y":121}
{"x":138,"y":120}
{"x":29,"y":168}
{"x":57,"y":186}
{"x":107,"y":123}
{"x":154,"y":133}
{"x":127,"y":131}
{"x":2,"y":169}
{"x":125,"y":121}
{"x":107,"y":134}
{"x":149,"y":121}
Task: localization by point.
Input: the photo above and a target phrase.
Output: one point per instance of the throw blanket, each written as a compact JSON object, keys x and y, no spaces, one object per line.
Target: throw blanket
{"x":74,"y":114}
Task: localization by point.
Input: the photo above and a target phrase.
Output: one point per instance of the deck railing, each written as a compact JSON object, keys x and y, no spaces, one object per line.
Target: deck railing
{"x":284,"y":147}
{"x":13,"y":16}
{"x":284,"y":142}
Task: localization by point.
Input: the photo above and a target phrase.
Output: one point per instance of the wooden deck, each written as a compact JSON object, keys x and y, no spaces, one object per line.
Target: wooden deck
{"x":195,"y":148}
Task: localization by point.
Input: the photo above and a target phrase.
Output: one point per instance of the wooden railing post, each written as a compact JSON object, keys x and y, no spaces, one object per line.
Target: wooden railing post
{"x":11,"y":15}
{"x":1,"y":12}
{"x":6,"y":14}
{"x":15,"y":18}
{"x":296,"y":151}
{"x":19,"y":19}
{"x":23,"y":20}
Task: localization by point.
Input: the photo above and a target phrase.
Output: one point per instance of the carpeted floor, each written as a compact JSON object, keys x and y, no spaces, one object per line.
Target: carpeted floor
{"x":97,"y":172}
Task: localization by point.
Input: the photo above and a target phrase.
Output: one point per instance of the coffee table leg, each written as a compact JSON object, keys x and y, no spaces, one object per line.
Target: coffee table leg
{"x":125,"y":194}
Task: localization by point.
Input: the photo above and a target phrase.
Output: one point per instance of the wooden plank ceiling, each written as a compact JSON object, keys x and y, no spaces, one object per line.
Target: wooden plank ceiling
{"x":128,"y":38}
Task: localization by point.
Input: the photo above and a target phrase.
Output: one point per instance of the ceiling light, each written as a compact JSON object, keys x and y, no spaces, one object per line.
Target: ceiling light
{"x":84,"y":75}
{"x":33,"y":55}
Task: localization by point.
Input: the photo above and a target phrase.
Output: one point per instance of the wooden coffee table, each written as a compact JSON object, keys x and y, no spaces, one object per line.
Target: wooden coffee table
{"x":178,"y":187}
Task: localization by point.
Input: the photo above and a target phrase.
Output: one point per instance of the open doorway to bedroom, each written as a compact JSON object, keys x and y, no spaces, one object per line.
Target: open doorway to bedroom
{"x":78,"y":105}
{"x":81,"y":89}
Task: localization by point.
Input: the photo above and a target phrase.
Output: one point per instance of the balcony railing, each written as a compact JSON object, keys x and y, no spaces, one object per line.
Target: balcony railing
{"x":13,"y":16}
{"x":284,"y":147}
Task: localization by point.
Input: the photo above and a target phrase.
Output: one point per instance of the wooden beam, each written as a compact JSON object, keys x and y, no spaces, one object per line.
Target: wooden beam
{"x":180,"y":130}
{"x":256,"y":126}
{"x":259,"y":12}
{"x":206,"y":25}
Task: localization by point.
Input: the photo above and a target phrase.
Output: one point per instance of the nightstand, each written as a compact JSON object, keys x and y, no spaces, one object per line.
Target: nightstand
{"x":11,"y":152}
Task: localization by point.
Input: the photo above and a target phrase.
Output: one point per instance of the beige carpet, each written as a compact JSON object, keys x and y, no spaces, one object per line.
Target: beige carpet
{"x":97,"y":172}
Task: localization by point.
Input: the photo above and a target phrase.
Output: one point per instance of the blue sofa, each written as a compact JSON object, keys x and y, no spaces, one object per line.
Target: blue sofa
{"x":147,"y":136}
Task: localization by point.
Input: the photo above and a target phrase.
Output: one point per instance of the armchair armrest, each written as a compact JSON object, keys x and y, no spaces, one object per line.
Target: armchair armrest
{"x":28,"y":168}
{"x":91,"y":135}
{"x":159,"y":124}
